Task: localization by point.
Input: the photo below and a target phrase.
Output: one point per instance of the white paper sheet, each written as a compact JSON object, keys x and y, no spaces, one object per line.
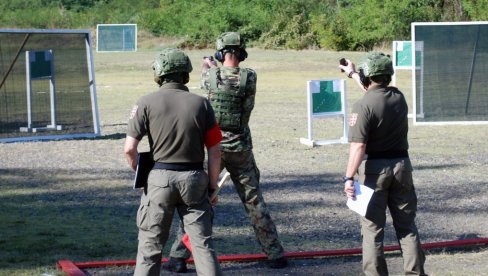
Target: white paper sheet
{"x":363,"y":196}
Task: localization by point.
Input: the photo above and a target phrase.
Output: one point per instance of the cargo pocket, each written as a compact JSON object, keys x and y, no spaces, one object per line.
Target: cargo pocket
{"x":403,"y":174}
{"x":143,"y":214}
{"x":374,"y":172}
{"x":158,"y":178}
{"x":194,"y":188}
{"x":375,"y":176}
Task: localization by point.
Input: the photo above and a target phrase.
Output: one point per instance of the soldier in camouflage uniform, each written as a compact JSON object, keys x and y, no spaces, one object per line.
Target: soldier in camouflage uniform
{"x":231,"y":91}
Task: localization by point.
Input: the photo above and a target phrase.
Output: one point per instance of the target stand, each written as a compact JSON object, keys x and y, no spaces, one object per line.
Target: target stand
{"x":326,"y":99}
{"x":39,"y":65}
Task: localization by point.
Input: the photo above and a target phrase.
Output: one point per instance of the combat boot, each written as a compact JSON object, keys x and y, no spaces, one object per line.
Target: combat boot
{"x":177,"y":265}
{"x":277,"y":263}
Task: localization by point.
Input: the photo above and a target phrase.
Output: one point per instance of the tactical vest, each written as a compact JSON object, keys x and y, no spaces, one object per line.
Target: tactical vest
{"x":227,"y":99}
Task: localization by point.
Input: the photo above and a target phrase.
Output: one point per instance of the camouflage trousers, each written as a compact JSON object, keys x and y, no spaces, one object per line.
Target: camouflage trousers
{"x":245,"y":176}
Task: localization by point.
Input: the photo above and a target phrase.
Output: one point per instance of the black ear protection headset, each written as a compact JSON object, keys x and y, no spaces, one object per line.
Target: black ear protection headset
{"x":219,"y":55}
{"x":366,"y":81}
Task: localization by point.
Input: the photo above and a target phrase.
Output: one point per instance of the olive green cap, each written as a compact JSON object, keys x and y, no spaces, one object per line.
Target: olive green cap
{"x":171,"y":61}
{"x":230,"y":39}
{"x":377,"y":63}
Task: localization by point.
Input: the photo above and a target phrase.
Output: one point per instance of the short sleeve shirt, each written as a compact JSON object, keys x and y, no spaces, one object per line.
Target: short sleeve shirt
{"x":175,"y":121}
{"x":380,"y":120}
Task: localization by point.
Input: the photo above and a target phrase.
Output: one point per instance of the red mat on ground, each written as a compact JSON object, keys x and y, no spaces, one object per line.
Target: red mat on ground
{"x":75,"y":269}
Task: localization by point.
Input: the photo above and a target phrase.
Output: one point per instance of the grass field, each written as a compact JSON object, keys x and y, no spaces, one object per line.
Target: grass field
{"x":73,"y":200}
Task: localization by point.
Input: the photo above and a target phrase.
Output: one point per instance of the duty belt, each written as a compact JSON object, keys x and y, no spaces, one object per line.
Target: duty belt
{"x":388,"y":154}
{"x":179,"y":166}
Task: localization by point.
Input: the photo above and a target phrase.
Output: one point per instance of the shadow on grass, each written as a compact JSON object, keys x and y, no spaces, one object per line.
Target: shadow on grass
{"x":437,"y":167}
{"x":114,"y":136}
{"x":89,"y":214}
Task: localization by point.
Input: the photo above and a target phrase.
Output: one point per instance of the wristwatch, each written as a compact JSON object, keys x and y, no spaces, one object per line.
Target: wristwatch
{"x":346,"y":178}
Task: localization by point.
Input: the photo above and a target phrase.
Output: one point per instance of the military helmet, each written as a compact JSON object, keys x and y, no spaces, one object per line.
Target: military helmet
{"x":230,"y":39}
{"x":375,"y":64}
{"x":171,"y":61}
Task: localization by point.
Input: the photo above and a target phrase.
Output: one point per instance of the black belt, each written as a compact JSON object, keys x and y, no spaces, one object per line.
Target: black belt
{"x":388,"y":154}
{"x":179,"y":166}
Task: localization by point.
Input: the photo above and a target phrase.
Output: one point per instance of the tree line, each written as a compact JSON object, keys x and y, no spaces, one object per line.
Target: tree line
{"x":274,"y":24}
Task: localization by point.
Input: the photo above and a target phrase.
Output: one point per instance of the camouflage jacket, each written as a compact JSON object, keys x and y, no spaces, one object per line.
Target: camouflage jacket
{"x":234,"y":141}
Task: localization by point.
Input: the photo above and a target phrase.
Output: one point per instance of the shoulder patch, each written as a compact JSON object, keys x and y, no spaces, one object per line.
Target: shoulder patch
{"x":353,"y":119}
{"x":133,"y":112}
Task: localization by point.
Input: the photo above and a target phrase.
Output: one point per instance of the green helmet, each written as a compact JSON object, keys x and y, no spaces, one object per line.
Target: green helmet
{"x":230,"y":39}
{"x":171,"y":61}
{"x":375,"y":64}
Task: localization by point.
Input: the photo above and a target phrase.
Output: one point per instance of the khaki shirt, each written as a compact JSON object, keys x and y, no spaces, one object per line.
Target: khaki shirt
{"x":380,"y":121}
{"x":175,"y":121}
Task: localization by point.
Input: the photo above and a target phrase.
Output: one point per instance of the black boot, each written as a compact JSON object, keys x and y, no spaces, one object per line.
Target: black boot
{"x":177,"y":265}
{"x":277,"y":263}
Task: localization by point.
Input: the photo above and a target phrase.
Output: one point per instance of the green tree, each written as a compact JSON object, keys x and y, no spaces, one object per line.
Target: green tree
{"x":476,"y":10}
{"x":368,"y":23}
{"x":283,"y":24}
{"x":202,"y":21}
{"x":296,"y":24}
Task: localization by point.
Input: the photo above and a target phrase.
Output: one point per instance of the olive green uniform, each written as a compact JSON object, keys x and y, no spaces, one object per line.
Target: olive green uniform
{"x":237,"y":155}
{"x":176,"y":122}
{"x":379,"y":120}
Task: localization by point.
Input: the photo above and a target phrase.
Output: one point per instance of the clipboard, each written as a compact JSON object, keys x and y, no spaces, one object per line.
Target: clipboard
{"x":145,"y":163}
{"x":363,"y":197}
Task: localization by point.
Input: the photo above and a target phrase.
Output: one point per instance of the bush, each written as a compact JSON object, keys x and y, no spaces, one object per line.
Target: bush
{"x":476,"y":10}
{"x":368,"y":23}
{"x":283,"y":24}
